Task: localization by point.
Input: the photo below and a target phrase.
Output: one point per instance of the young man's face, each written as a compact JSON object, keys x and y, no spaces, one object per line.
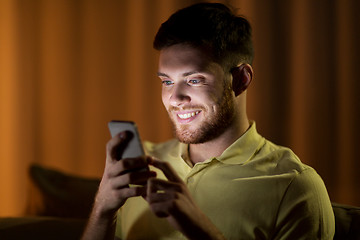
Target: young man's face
{"x":196,"y":93}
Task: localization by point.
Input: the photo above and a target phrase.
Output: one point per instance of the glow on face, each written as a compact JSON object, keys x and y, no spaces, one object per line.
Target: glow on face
{"x":195,"y":93}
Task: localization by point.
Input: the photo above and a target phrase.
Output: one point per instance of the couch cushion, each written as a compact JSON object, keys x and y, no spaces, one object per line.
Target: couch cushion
{"x":58,"y":194}
{"x":41,"y":228}
{"x":347,"y":222}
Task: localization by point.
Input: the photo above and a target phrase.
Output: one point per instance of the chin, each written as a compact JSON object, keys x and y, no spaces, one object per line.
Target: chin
{"x":188,"y":136}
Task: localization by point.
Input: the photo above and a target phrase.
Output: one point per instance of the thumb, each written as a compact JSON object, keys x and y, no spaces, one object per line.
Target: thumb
{"x":117,"y":145}
{"x":166,"y":168}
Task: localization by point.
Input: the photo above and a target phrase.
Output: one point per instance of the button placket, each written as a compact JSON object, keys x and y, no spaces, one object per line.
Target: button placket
{"x":193,"y":177}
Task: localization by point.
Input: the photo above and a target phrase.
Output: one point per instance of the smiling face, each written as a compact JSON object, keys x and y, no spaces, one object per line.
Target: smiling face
{"x":196,"y":93}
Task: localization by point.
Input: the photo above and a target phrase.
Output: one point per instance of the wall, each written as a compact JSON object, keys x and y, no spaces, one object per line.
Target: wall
{"x":67,"y":67}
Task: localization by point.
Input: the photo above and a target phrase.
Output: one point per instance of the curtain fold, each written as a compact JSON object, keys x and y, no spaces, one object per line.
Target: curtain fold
{"x":68,"y":67}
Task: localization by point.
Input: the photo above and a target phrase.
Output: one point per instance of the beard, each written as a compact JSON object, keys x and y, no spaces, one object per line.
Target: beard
{"x":212,"y":126}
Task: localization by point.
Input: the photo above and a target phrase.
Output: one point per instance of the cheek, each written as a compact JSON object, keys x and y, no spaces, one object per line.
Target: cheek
{"x":165,"y":99}
{"x":211,"y":97}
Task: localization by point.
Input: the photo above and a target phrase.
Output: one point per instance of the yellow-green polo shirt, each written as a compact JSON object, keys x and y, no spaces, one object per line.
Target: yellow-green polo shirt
{"x":254,"y":190}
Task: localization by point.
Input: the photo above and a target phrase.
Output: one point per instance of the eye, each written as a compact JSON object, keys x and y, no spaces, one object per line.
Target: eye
{"x":194,"y":81}
{"x":167,"y":82}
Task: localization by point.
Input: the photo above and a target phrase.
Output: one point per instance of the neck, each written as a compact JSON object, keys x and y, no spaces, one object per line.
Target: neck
{"x":214,"y":148}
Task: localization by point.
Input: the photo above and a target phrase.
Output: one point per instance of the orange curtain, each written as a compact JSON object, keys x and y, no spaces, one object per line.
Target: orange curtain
{"x":67,"y":67}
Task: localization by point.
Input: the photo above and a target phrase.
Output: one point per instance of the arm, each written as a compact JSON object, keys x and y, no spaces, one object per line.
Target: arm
{"x":305,"y":211}
{"x":114,"y":189}
{"x":172,"y":200}
{"x":100,"y":226}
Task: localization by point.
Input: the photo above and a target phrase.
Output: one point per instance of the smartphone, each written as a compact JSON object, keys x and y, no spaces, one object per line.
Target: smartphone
{"x":134,"y":147}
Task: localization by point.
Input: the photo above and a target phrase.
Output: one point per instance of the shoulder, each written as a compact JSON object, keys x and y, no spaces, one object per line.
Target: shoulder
{"x":305,"y":209}
{"x":305,"y":201}
{"x":276,"y":160}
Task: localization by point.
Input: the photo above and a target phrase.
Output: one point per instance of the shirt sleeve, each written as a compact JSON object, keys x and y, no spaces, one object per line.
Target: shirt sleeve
{"x":305,"y":211}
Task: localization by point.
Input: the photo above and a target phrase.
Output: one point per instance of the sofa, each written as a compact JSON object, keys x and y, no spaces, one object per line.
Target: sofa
{"x":59,"y":205}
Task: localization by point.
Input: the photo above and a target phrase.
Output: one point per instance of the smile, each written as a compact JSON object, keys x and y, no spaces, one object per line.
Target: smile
{"x":188,"y":115}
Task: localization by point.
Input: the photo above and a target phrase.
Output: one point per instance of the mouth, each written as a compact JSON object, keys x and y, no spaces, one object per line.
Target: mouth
{"x":188,"y":115}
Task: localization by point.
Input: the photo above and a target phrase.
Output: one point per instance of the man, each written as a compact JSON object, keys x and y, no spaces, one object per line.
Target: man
{"x":220,"y":179}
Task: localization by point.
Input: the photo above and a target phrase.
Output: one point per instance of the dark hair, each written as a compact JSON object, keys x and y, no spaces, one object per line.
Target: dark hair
{"x":212,"y":26}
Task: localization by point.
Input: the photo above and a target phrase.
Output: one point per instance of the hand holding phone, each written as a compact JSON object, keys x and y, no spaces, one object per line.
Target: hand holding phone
{"x":126,"y":174}
{"x":133,"y":147}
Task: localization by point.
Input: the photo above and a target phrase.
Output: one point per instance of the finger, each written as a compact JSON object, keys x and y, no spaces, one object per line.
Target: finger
{"x":133,"y":164}
{"x":116,"y":145}
{"x":155,"y":185}
{"x":166,"y":169}
{"x":132,"y":178}
{"x":133,"y":192}
{"x":160,"y":209}
{"x":126,"y":165}
{"x":160,"y":197}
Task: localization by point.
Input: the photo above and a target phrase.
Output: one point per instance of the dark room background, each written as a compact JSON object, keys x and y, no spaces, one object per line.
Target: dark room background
{"x":67,"y":67}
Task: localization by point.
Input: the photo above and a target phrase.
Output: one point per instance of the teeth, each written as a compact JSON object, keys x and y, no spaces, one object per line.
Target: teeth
{"x":188,"y":115}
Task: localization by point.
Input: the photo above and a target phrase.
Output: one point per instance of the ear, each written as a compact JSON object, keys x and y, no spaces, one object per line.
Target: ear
{"x":242,"y":76}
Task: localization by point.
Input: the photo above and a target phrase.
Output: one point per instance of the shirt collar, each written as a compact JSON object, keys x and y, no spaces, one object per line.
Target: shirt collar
{"x":244,"y":148}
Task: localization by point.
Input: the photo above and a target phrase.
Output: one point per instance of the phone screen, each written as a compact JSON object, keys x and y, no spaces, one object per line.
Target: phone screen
{"x":134,"y":147}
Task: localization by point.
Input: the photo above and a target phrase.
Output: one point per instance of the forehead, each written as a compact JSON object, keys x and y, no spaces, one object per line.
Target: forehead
{"x":182,"y":57}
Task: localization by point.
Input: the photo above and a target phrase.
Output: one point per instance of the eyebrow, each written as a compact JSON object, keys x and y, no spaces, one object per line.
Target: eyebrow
{"x":160,"y":74}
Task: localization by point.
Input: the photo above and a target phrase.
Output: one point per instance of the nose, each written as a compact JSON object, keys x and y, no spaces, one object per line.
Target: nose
{"x":179,"y":95}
